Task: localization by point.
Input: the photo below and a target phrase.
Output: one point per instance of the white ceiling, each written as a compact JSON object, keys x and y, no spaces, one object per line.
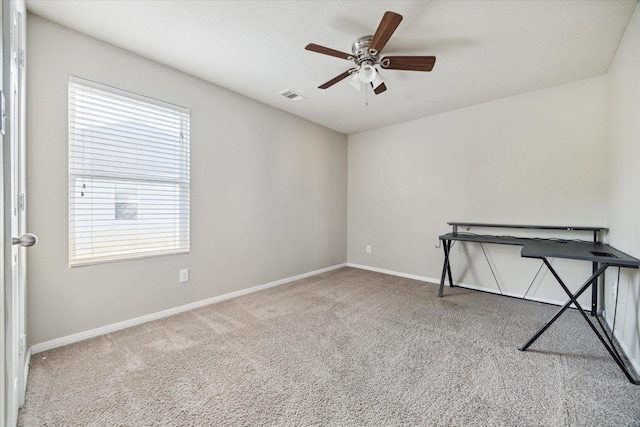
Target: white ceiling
{"x":485,"y":50}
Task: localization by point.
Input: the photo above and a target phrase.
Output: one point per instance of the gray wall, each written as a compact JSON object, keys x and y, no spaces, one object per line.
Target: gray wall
{"x":535,"y":158}
{"x":624,"y":184}
{"x":268,"y":192}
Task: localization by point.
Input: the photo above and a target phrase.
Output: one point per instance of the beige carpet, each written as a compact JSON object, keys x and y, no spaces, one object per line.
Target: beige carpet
{"x":345,"y":348}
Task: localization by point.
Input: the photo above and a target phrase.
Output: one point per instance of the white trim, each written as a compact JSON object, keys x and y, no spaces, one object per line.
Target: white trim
{"x":69,"y":339}
{"x":508,"y":294}
{"x":394,"y":273}
{"x":459,"y":285}
{"x":634,"y":364}
{"x":25,"y":377}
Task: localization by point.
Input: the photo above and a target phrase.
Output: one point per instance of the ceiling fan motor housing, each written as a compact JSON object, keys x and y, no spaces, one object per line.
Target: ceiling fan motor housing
{"x":361,"y":51}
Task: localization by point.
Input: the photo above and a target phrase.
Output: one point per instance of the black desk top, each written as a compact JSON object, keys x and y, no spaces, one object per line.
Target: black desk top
{"x":555,"y":248}
{"x":532,"y":227}
{"x":587,"y":251}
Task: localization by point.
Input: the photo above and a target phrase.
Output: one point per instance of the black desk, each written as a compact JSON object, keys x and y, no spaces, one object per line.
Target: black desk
{"x":601,"y":255}
{"x":448,"y":239}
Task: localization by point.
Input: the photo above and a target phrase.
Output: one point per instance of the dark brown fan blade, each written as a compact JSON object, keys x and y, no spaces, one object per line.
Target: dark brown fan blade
{"x":335,"y":80}
{"x":327,"y":51}
{"x":378,"y":90}
{"x":411,"y":63}
{"x":388,"y":25}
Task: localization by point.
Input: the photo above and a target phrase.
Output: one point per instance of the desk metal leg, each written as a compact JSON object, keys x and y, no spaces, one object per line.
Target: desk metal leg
{"x":446,"y":267}
{"x":573,"y":299}
{"x":449,"y":264}
{"x":594,"y":291}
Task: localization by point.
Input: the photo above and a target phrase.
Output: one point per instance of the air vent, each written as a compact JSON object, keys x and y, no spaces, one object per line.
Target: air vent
{"x":292,"y":95}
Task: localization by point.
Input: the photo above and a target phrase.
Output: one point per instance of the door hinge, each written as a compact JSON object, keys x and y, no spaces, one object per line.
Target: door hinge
{"x":21,"y":58}
{"x":23,"y":344}
{"x":21,"y":202}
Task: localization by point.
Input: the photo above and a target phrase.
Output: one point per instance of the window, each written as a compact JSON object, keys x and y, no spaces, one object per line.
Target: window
{"x":128,"y":175}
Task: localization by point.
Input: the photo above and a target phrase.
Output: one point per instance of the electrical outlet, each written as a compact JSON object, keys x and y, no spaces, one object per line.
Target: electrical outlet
{"x":368,"y":249}
{"x":184,"y":275}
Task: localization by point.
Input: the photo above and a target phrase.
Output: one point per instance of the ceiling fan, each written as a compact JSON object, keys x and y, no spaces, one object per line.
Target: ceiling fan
{"x":366,"y":56}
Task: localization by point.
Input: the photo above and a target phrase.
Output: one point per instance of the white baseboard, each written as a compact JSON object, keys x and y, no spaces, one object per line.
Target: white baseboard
{"x":394,"y":273}
{"x":509,"y":294}
{"x":625,"y":349}
{"x":459,"y":285}
{"x":69,"y":339}
{"x":25,"y":377}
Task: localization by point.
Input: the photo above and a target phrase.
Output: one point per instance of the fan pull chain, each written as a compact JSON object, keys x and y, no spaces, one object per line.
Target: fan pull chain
{"x":366,"y":95}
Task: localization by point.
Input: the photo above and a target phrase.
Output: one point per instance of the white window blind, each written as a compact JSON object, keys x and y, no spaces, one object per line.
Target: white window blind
{"x":128,"y":175}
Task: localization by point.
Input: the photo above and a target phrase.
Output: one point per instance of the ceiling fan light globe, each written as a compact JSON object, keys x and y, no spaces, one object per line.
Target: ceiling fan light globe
{"x":367,"y":73}
{"x":354,"y":81}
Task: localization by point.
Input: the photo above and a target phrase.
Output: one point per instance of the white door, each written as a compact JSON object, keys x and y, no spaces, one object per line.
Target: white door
{"x":15,"y":240}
